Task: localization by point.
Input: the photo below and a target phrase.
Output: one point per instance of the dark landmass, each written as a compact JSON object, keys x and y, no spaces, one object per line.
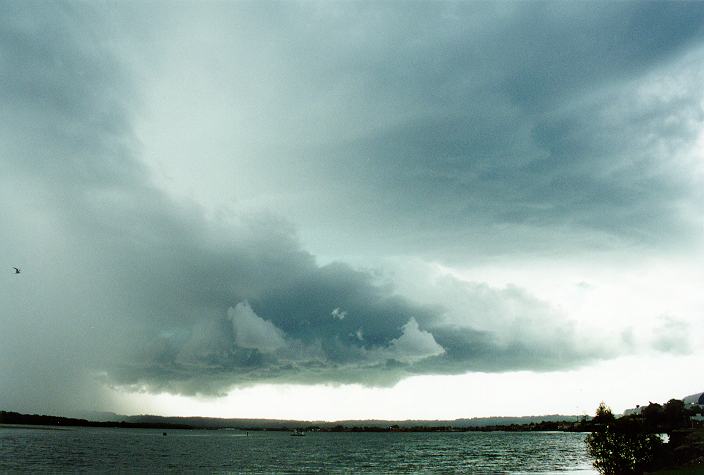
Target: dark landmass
{"x":551,"y":422}
{"x":525,"y":423}
{"x":34,"y":419}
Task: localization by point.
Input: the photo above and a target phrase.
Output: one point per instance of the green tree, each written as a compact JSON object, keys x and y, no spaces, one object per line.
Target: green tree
{"x":617,"y":452}
{"x":621,"y":446}
{"x":652,"y":416}
{"x":675,"y":415}
{"x":603,"y":414}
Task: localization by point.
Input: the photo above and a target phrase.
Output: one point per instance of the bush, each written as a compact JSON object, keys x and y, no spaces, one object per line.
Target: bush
{"x":622,"y":451}
{"x":623,"y":446}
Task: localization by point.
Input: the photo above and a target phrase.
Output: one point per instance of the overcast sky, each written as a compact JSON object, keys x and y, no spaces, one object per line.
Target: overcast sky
{"x":350,"y":209}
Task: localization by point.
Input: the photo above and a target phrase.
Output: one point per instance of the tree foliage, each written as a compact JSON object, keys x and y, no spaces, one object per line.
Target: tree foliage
{"x":603,"y":414}
{"x":665,"y":418}
{"x":619,"y":452}
{"x":622,"y":446}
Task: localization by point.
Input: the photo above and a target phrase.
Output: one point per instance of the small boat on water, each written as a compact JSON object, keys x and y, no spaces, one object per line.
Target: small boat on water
{"x":297,"y":433}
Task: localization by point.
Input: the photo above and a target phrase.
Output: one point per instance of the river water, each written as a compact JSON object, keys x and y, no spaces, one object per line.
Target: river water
{"x":144,"y":450}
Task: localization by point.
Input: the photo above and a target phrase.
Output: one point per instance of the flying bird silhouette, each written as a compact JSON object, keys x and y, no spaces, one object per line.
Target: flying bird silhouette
{"x":17,"y":271}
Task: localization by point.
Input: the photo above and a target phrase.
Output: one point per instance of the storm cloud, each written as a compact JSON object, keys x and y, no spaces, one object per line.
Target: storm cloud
{"x":455,"y":140}
{"x":479,"y":127}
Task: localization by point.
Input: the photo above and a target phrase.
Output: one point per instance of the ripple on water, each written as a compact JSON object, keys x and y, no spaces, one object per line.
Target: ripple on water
{"x":98,"y":449}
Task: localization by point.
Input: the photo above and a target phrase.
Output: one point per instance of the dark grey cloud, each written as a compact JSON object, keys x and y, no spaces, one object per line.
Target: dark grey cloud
{"x":127,"y":285}
{"x":544,"y":126}
{"x":482,"y":127}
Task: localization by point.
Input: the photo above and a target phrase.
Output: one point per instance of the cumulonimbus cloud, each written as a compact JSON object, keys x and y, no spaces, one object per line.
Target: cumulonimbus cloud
{"x":124,"y":281}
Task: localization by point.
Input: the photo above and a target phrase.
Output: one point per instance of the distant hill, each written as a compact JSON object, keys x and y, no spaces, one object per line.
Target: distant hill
{"x":109,"y":419}
{"x":239,"y":423}
{"x":44,"y":420}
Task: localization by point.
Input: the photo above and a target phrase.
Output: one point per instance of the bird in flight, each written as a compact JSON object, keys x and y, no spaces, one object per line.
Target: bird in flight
{"x":17,"y":271}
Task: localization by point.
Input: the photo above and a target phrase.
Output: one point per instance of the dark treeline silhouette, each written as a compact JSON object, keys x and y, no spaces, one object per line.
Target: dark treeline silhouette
{"x":565,"y":426}
{"x":512,"y":424}
{"x":569,"y":423}
{"x":34,"y":419}
{"x":665,"y":418}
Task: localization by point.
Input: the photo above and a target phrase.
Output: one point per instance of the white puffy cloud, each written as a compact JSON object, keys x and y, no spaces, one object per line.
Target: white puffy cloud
{"x":338,"y":313}
{"x":253,"y":332}
{"x":414,"y":344}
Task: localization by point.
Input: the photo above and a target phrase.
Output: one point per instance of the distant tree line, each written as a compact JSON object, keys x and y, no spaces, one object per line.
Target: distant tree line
{"x":565,"y":426}
{"x":151,"y":422}
{"x":34,"y":419}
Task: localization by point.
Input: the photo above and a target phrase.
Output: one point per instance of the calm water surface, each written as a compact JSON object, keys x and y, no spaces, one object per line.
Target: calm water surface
{"x":145,"y":450}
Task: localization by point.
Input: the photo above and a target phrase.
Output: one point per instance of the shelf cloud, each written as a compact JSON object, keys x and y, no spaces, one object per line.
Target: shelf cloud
{"x":454,"y":132}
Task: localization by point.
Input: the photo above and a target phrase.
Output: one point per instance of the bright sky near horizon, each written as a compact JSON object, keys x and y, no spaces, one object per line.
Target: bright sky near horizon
{"x":350,"y":210}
